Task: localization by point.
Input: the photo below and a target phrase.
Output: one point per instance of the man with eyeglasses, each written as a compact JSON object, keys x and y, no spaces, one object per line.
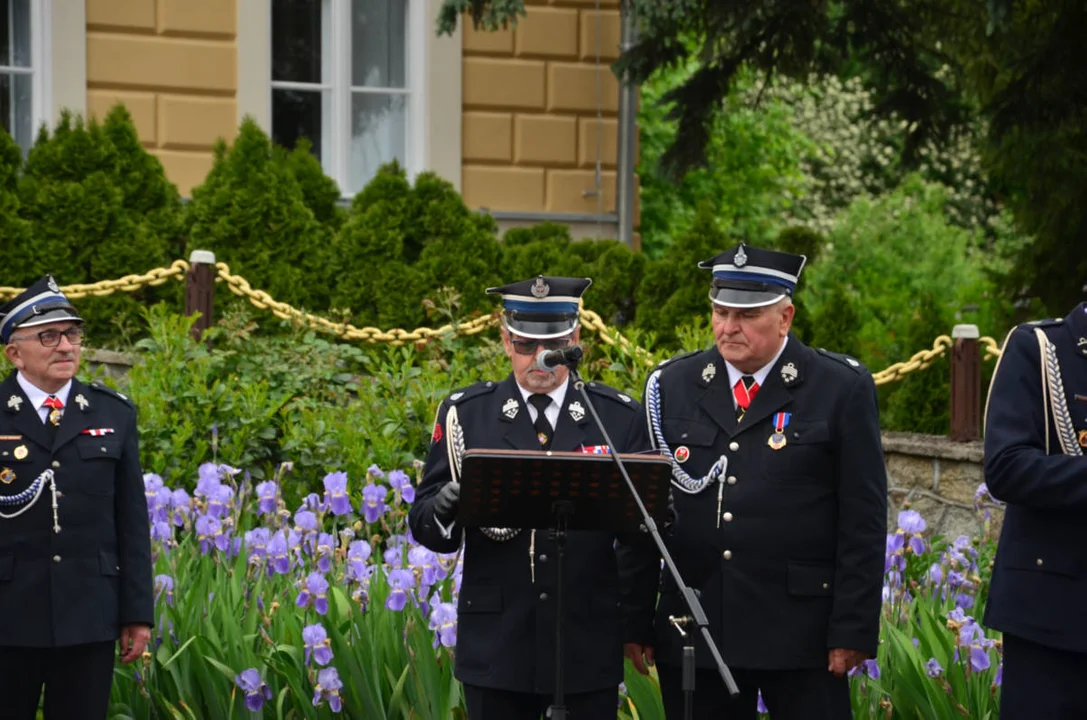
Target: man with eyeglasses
{"x":75,"y":553}
{"x":506,"y":610}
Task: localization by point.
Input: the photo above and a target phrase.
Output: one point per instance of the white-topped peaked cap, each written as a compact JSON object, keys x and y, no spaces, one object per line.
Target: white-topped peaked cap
{"x":748,"y":277}
{"x":543,"y":307}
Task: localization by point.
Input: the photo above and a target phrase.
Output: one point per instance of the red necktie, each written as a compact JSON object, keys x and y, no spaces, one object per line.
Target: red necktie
{"x":744,"y":391}
{"x":55,"y":405}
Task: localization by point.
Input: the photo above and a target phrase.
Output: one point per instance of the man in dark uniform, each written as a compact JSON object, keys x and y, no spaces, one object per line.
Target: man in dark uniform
{"x":75,"y":553}
{"x":781,"y":501}
{"x":506,"y":611}
{"x":1035,"y":438}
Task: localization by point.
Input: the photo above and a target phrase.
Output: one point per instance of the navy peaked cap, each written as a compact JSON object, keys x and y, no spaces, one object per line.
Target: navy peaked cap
{"x":747,"y":277}
{"x":39,"y":304}
{"x":543,"y":307}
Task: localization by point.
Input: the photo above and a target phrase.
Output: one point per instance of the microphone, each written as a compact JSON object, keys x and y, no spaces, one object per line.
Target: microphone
{"x":551,"y":360}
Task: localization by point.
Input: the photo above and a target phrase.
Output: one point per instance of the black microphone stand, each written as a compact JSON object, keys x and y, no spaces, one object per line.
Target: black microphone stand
{"x":697,"y":616}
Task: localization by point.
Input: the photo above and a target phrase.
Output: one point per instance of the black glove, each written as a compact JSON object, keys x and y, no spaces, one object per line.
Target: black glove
{"x":446,"y":501}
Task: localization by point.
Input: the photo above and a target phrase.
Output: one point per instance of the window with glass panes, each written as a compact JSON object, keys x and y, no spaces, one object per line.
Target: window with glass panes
{"x":18,"y":104}
{"x":341,"y":78}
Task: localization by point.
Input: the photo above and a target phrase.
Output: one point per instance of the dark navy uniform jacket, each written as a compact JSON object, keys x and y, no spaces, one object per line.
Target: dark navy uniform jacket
{"x":791,"y":565}
{"x":83,"y":584}
{"x":506,"y":623}
{"x":1039,"y":584}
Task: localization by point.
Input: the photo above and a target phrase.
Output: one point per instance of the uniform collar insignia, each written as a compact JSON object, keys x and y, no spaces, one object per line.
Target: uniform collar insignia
{"x":510,"y":408}
{"x":789,"y":374}
{"x":577,"y":412}
{"x":709,"y":372}
{"x":14,"y":403}
{"x":81,"y":402}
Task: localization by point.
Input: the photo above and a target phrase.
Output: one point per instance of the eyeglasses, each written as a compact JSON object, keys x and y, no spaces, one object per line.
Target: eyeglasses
{"x":528,"y":347}
{"x":51,"y":338}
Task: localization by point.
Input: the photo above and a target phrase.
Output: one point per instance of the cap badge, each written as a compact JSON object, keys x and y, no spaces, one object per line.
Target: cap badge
{"x":510,"y":408}
{"x":709,"y":372}
{"x":53,"y":284}
{"x":682,"y":453}
{"x":15,"y":402}
{"x":789,"y":374}
{"x":577,"y":412}
{"x":741,"y":257}
{"x":540,"y":289}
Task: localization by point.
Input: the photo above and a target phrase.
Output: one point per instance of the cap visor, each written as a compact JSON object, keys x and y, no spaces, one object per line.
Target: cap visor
{"x":540,"y":330}
{"x":729,"y":297}
{"x":50,"y":316}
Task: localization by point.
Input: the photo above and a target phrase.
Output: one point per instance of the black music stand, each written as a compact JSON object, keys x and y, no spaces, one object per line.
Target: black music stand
{"x":560,"y":491}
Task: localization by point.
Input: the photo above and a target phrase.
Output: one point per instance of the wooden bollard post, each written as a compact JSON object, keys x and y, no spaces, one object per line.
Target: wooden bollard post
{"x":965,"y":384}
{"x":200,"y":290}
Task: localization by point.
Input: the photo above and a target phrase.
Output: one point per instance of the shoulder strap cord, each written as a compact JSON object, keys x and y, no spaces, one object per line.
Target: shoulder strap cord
{"x":680,"y":478}
{"x":1054,"y":399}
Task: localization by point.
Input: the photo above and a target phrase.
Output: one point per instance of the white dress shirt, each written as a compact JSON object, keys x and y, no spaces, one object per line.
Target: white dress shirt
{"x":37,"y":396}
{"x":734,"y":374}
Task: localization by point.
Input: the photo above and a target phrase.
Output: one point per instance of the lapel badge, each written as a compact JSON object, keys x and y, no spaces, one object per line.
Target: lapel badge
{"x":510,"y":408}
{"x":577,"y":412}
{"x":1083,"y":438}
{"x":542,"y":437}
{"x":540,"y":289}
{"x":789,"y":374}
{"x":20,"y":452}
{"x":682,"y":453}
{"x":7,"y":476}
{"x":81,"y":401}
{"x":708,"y":372}
{"x":741,"y":257}
{"x":15,"y":402}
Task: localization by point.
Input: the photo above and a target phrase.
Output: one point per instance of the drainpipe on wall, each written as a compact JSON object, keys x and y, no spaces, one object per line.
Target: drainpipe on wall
{"x":628,"y":128}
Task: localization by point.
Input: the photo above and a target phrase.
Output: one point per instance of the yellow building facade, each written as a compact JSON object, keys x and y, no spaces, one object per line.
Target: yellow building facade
{"x":524,"y":122}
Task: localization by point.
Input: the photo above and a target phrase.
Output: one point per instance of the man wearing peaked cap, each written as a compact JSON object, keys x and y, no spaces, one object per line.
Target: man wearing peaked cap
{"x":75,"y":555}
{"x":506,"y":609}
{"x":781,"y":501}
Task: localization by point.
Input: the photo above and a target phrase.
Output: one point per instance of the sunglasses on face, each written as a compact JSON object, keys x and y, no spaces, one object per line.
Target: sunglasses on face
{"x":528,"y":347}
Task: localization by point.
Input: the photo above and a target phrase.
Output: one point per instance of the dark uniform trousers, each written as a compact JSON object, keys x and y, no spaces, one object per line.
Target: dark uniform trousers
{"x":1038,"y":594}
{"x":506,"y":608}
{"x":785,"y":547}
{"x":65,"y":596}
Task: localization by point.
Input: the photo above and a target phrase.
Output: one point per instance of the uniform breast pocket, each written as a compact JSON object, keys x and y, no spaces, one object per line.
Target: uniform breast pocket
{"x":99,"y":457}
{"x":807,"y":450}
{"x":16,"y":451}
{"x":694,"y":435}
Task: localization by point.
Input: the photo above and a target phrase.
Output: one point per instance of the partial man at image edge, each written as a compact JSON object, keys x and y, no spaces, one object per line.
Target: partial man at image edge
{"x":75,"y":549}
{"x":780,"y":493}
{"x":505,"y":655}
{"x":1035,"y":446}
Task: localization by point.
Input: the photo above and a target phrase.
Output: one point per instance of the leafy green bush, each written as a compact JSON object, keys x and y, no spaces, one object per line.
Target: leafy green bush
{"x":97,"y":206}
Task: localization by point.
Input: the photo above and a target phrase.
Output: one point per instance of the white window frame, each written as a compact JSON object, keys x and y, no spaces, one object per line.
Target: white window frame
{"x":337,"y":91}
{"x":39,"y":71}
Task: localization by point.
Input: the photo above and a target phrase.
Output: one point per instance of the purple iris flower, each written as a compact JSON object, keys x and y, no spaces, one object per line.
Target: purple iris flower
{"x":313,"y":503}
{"x":268,"y":497}
{"x":426,"y":562}
{"x":256,"y":690}
{"x":161,"y":531}
{"x":209,"y":480}
{"x":761,"y":705}
{"x":358,"y":552}
{"x":375,"y":471}
{"x":871,"y":668}
{"x":315,"y":592}
{"x":932,"y":668}
{"x":280,"y":553}
{"x":911,"y":523}
{"x":180,"y":506}
{"x":256,"y":541}
{"x":400,"y":585}
{"x":317,"y":642}
{"x":208,"y":529}
{"x":400,"y":482}
{"x":305,"y":521}
{"x":936,"y":574}
{"x":326,"y":548}
{"x":336,"y":493}
{"x":164,"y":584}
{"x":443,"y":621}
{"x":328,"y":688}
{"x":219,"y":501}
{"x":152,"y":483}
{"x":373,"y":502}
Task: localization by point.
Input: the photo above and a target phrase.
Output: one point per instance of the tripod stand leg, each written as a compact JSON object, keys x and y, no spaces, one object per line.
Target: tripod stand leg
{"x":558,"y":710}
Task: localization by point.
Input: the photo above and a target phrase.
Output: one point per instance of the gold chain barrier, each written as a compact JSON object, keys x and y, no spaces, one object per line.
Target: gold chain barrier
{"x":178,"y":270}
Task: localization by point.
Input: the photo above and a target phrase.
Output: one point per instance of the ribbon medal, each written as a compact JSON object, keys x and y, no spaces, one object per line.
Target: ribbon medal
{"x":777,"y":440}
